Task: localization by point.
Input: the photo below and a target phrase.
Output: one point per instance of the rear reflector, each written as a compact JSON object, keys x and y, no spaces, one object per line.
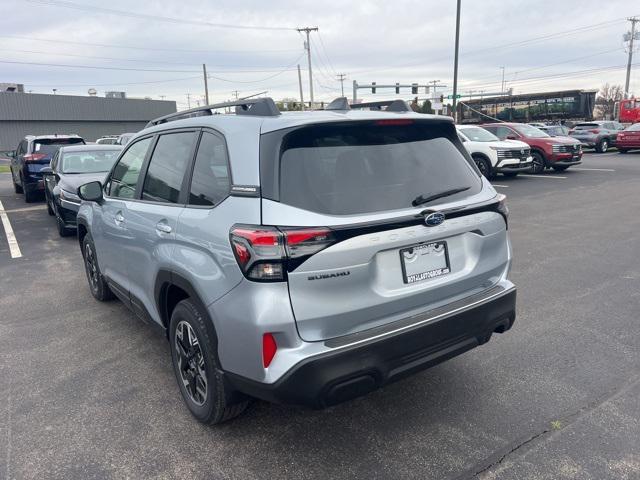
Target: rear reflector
{"x":269,"y":348}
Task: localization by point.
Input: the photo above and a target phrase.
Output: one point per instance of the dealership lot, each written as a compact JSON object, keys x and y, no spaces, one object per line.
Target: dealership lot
{"x":87,"y":391}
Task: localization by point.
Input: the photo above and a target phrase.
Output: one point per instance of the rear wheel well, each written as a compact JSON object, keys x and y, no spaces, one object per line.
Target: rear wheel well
{"x":172,"y":296}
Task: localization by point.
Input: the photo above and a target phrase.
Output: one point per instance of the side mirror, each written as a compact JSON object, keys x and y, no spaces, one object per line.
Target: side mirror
{"x":511,"y":137}
{"x":91,"y":192}
{"x":46,"y":171}
{"x":11,"y":154}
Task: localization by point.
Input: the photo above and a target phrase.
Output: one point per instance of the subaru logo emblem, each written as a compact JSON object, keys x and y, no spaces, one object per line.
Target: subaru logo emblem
{"x":434,"y":219}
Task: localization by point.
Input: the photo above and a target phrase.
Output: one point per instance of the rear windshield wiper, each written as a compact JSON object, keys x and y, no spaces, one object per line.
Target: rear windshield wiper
{"x":420,"y":200}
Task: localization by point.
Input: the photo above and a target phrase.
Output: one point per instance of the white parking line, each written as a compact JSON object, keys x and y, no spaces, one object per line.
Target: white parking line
{"x":499,"y":186}
{"x":595,"y":169}
{"x":14,"y":248}
{"x":554,"y":177}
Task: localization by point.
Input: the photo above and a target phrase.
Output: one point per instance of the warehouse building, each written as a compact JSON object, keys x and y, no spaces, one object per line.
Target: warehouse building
{"x":90,"y":117}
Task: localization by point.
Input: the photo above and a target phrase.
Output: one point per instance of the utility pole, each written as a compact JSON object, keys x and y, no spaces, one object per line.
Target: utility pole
{"x":502,"y":84}
{"x":455,"y":63}
{"x":633,"y":21}
{"x":235,"y":94}
{"x":188,"y":101}
{"x":206,"y":84}
{"x":341,"y":78}
{"x":162,"y":97}
{"x":308,"y":30}
{"x":300,"y":85}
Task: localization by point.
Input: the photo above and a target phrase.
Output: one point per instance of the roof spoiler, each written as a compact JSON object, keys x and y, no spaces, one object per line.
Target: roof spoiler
{"x":342,"y":104}
{"x":261,"y":107}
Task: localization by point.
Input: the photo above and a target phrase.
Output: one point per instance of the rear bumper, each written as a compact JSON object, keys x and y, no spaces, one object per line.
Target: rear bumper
{"x":360,"y":363}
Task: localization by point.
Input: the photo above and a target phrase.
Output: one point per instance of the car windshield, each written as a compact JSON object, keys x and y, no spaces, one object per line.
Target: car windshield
{"x":633,"y":128}
{"x":477,"y":134}
{"x":529,"y":131}
{"x":586,"y":126}
{"x":343,"y":169}
{"x":89,"y":161}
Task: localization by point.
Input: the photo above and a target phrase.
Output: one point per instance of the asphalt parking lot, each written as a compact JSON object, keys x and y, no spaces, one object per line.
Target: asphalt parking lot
{"x":88,"y":391}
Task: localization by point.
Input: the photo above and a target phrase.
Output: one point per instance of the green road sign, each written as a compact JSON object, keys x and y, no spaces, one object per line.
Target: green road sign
{"x":450,"y":97}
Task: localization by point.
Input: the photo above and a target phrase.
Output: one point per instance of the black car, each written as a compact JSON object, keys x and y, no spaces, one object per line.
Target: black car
{"x":32,"y":155}
{"x":71,"y":167}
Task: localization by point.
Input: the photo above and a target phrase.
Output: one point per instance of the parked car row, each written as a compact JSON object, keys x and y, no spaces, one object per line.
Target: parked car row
{"x":511,"y":148}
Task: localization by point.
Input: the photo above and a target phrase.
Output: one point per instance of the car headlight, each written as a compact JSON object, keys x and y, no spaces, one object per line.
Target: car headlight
{"x":69,"y":197}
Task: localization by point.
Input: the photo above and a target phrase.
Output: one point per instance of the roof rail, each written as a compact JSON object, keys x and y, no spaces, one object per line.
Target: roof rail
{"x":342,"y":104}
{"x":261,"y":107}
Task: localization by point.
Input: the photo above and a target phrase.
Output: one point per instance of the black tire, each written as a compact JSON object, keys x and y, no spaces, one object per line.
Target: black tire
{"x":538,"y":164}
{"x":623,"y":150}
{"x":603,"y":146}
{"x":62,"y":230}
{"x":48,"y":200}
{"x":561,"y":168}
{"x":510,"y":174}
{"x":194,"y":363}
{"x":483,"y":165}
{"x":97,"y":284}
{"x":30,"y":197}
{"x":17,"y":188}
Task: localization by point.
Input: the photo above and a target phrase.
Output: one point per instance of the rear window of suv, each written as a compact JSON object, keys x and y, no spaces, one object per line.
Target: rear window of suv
{"x":374,"y":166}
{"x":51,"y":146}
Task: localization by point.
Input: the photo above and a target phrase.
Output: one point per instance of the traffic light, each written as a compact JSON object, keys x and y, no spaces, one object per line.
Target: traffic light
{"x":441,"y":98}
{"x":414,"y":88}
{"x":397,"y":88}
{"x":373,"y":87}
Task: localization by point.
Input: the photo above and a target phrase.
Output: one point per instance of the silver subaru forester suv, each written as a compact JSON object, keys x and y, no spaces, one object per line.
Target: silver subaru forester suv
{"x":303,"y":258}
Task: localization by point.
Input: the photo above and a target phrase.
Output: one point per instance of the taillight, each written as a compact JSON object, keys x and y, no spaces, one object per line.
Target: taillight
{"x":502,"y":208}
{"x":269,"y":349}
{"x":595,"y":130}
{"x":265,"y":254}
{"x":571,"y":131}
{"x":34,"y":157}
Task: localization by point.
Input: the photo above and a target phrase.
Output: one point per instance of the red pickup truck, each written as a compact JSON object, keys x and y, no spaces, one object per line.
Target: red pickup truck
{"x":558,"y":153}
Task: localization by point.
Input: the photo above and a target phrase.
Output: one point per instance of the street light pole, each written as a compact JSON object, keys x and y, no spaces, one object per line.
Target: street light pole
{"x":455,"y":63}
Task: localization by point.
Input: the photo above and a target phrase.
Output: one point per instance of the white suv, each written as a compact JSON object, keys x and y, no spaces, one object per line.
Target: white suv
{"x":493,"y":155}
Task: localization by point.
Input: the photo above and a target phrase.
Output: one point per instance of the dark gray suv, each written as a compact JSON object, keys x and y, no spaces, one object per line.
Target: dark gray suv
{"x":302,"y":258}
{"x":599,"y":134}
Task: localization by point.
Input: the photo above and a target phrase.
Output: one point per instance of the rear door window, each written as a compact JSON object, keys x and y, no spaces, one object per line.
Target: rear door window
{"x":167,"y":167}
{"x":210,"y":181}
{"x":366,"y":167}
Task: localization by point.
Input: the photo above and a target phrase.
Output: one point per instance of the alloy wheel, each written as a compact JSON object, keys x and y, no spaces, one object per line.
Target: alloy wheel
{"x":191,"y":363}
{"x":91,"y":267}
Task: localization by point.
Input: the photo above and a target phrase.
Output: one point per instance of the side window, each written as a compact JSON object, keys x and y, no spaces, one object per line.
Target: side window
{"x":125,"y":175}
{"x":503,"y":132}
{"x":167,"y":167}
{"x":211,"y":180}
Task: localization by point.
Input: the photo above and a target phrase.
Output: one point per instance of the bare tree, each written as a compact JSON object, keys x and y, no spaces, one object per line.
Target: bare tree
{"x":606,"y":99}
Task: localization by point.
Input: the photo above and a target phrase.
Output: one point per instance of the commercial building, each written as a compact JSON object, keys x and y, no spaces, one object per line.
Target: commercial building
{"x":90,"y":117}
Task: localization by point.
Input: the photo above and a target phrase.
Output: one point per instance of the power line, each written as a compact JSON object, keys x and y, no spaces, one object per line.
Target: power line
{"x":140,"y":60}
{"x":112,"y":84}
{"x":123,"y":13}
{"x":324,"y":50}
{"x":130,"y":47}
{"x":286,"y":69}
{"x":95,"y":67}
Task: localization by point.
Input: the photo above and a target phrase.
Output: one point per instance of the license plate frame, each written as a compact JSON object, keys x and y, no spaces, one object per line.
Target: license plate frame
{"x":410,"y":276}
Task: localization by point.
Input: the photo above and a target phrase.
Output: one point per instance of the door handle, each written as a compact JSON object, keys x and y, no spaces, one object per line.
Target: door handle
{"x":119,"y":218}
{"x":162,"y":227}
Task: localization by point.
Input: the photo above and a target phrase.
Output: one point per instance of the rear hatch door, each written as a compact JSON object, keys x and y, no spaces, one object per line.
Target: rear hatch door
{"x":383,"y":262}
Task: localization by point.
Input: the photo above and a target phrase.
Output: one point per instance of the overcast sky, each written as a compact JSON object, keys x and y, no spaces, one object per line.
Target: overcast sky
{"x":543,"y":45}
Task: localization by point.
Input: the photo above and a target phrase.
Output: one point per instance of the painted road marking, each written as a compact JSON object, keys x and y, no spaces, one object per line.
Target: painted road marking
{"x":14,"y":248}
{"x":27,"y":209}
{"x":499,"y":186}
{"x":554,"y":177}
{"x":595,"y":169}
